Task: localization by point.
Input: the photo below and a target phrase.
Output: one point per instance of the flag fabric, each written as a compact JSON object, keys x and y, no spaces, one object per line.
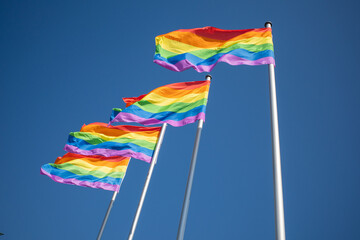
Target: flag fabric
{"x":105,"y":140}
{"x":203,"y":48}
{"x":88,"y":171}
{"x":115,"y":112}
{"x":177,"y":104}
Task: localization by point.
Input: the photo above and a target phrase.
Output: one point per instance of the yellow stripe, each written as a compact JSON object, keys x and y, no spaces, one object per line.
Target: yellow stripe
{"x":162,"y":101}
{"x":89,"y":167}
{"x":128,"y":135}
{"x":179,"y":47}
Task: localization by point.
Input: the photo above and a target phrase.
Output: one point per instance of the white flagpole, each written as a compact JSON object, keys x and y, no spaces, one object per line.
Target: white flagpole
{"x":186,"y":203}
{"x":106,"y":215}
{"x":278,"y":189}
{"x":109,"y":209}
{"x":152,"y":165}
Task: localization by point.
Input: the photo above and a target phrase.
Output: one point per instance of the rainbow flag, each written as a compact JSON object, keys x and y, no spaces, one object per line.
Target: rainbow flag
{"x":115,"y":112}
{"x":88,"y":171}
{"x":177,"y":104}
{"x":203,"y":48}
{"x":127,"y":141}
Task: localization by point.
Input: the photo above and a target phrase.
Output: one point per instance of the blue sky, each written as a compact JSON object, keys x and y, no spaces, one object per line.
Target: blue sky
{"x":66,"y":63}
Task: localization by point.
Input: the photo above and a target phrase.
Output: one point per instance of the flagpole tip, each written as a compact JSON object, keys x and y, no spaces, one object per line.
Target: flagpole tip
{"x":268,"y":22}
{"x":208,"y":77}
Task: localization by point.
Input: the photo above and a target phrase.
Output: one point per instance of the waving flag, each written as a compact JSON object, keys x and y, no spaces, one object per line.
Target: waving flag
{"x":115,"y":112}
{"x":203,"y":48}
{"x":127,"y":141}
{"x":177,"y":104}
{"x":88,"y":171}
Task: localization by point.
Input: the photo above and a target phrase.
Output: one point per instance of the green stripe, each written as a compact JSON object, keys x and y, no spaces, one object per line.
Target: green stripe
{"x":94,"y":140}
{"x":178,"y":107}
{"x":207,"y":53}
{"x":82,"y":172}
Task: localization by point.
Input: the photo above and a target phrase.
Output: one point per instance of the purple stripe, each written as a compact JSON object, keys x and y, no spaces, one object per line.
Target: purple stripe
{"x":74,"y":181}
{"x":228,"y":58}
{"x":108,"y":153}
{"x":128,"y":117}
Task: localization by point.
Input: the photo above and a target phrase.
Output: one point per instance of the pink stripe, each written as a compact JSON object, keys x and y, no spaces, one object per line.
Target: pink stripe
{"x":73,"y":181}
{"x":128,"y":117}
{"x":228,"y":58}
{"x":108,"y":153}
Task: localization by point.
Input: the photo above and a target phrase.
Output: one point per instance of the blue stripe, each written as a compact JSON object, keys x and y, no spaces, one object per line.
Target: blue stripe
{"x":113,"y":114}
{"x":209,"y":61}
{"x":89,"y":178}
{"x":84,"y":145}
{"x":163,"y":116}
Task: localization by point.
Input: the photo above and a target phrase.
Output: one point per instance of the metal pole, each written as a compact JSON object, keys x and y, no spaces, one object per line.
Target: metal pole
{"x":278,"y":190}
{"x":106,"y":216}
{"x":186,"y":203}
{"x":146,"y":185}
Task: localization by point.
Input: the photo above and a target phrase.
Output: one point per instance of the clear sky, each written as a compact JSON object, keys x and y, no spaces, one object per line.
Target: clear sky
{"x":66,"y":63}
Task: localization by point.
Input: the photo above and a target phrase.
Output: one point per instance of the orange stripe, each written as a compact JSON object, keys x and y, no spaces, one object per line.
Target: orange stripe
{"x":118,"y":133}
{"x":221,"y":34}
{"x":118,"y":130}
{"x":174,"y":93}
{"x":95,"y":161}
{"x":174,"y":90}
{"x":205,"y":42}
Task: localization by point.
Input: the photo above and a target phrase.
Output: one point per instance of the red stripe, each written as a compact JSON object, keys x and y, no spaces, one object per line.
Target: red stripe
{"x":131,"y":100}
{"x":188,"y":85}
{"x":97,"y":157}
{"x":125,"y":127}
{"x":220,"y":34}
{"x":180,"y":86}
